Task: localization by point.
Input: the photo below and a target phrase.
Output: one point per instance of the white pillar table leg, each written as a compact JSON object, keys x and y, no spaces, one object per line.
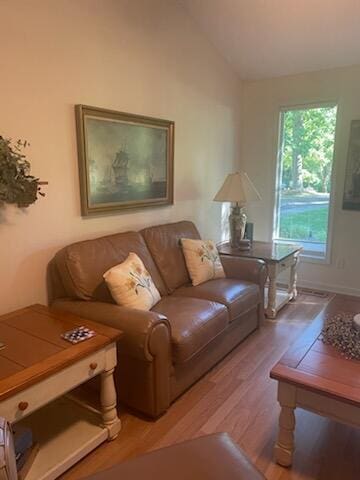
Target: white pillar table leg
{"x":108,"y":404}
{"x":293,"y":279}
{"x":285,"y":445}
{"x":271,"y":304}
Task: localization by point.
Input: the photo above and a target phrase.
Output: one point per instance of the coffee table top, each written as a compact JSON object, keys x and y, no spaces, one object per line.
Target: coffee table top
{"x":34,"y":348}
{"x":312,"y":365}
{"x":267,"y":251}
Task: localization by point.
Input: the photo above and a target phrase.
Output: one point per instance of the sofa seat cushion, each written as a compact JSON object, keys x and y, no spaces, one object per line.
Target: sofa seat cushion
{"x":194,"y":323}
{"x":237,"y":295}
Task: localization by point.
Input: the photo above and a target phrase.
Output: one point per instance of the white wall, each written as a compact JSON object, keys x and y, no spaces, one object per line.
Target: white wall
{"x":144,"y":57}
{"x":261,"y":102}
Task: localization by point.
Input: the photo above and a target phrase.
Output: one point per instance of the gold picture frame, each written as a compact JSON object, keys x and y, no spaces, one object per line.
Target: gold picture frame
{"x":126,"y":161}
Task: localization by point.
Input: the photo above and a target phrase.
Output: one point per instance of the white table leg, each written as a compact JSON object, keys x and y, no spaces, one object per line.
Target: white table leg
{"x":285,"y":445}
{"x":293,"y":279}
{"x":108,"y":404}
{"x":271,"y":304}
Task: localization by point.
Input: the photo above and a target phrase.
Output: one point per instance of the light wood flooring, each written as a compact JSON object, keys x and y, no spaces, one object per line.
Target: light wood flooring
{"x":238,"y":397}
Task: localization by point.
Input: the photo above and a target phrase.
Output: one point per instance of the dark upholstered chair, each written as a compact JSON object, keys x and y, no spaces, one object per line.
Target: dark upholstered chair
{"x":213,"y":457}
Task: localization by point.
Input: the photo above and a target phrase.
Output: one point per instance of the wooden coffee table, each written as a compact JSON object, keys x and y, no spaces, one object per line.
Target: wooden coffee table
{"x":316,"y":377}
{"x":37,"y":369}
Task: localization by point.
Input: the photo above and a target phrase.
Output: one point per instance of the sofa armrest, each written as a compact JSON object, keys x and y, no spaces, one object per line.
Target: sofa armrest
{"x":243,"y":268}
{"x":141,"y":328}
{"x":144,"y":352}
{"x":250,"y":269}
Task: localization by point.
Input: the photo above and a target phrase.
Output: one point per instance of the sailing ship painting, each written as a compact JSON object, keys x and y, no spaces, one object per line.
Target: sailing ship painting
{"x":120,"y":168}
{"x":126,"y":162}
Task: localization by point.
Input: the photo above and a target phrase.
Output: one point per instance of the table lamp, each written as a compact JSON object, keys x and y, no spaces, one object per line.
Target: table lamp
{"x":238,"y":190}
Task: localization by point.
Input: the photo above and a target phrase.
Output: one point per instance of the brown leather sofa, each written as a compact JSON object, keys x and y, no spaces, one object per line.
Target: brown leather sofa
{"x":165,"y":350}
{"x":212,"y":457}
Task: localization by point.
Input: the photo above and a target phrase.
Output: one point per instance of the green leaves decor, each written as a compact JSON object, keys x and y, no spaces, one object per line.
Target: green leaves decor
{"x":17,"y":186}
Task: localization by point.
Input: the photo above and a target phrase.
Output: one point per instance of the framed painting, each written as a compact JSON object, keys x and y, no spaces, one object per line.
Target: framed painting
{"x":351,"y":199}
{"x":125,"y":160}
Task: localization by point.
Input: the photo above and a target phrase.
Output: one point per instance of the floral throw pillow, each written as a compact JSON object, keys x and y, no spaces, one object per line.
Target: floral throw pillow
{"x":131,"y":285}
{"x":202,"y":260}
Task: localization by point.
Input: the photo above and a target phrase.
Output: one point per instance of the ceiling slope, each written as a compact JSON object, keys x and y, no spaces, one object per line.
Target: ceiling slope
{"x":270,"y":38}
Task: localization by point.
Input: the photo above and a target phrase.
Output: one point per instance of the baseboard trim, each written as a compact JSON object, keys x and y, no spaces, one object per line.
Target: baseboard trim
{"x":325,"y":287}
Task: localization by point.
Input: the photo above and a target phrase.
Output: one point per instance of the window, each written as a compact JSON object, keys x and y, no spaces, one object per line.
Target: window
{"x":305,"y":163}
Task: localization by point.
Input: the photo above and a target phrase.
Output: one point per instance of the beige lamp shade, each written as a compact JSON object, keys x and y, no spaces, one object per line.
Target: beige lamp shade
{"x":237,"y":188}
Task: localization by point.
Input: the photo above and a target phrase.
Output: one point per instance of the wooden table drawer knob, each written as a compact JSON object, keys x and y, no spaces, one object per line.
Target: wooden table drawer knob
{"x":93,"y":365}
{"x":23,"y":406}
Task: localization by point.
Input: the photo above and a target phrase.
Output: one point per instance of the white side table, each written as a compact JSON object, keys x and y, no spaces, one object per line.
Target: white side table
{"x":37,"y":368}
{"x":278,"y":257}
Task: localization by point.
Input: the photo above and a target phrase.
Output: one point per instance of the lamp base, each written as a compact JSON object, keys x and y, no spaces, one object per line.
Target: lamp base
{"x":244,"y":244}
{"x":237,"y":221}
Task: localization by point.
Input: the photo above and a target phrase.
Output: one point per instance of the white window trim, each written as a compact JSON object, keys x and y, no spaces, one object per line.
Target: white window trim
{"x":326,"y":259}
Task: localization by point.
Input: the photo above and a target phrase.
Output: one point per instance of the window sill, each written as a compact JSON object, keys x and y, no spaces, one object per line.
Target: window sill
{"x":308,"y":258}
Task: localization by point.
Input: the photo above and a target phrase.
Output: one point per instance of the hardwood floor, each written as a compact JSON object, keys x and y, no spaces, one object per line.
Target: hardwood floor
{"x":238,"y":397}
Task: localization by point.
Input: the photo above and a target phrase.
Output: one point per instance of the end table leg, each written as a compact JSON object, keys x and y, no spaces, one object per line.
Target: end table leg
{"x":271,"y":303}
{"x":293,"y":279}
{"x":285,"y":445}
{"x":108,"y":404}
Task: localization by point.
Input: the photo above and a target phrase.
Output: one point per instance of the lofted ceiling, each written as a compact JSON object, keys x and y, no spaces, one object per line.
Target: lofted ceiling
{"x":270,"y":38}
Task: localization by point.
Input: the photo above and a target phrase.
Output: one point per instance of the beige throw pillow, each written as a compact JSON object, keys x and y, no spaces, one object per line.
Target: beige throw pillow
{"x":202,"y":260}
{"x":131,"y":285}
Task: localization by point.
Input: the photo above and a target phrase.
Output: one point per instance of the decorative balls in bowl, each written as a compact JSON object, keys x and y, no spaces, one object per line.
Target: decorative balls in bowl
{"x":356,"y":321}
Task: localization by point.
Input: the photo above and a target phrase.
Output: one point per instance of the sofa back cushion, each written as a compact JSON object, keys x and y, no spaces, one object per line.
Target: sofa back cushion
{"x":164,"y":244}
{"x":83,"y":264}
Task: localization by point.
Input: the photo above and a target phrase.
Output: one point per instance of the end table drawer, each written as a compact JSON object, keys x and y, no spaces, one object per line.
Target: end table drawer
{"x":24,"y":403}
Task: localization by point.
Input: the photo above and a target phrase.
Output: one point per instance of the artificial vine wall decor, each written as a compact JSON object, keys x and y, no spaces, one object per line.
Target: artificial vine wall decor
{"x":17,"y":186}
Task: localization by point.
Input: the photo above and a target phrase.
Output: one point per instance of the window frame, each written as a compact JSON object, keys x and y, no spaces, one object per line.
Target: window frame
{"x":306,"y":255}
